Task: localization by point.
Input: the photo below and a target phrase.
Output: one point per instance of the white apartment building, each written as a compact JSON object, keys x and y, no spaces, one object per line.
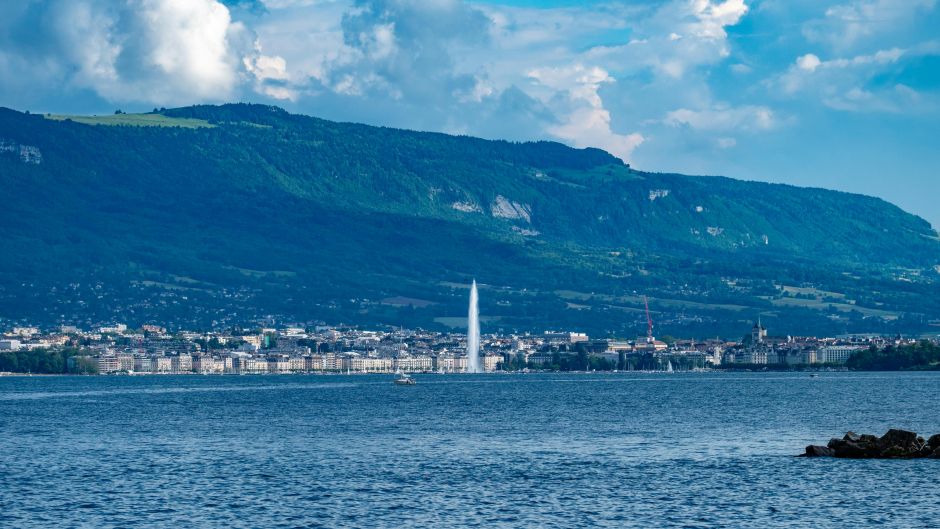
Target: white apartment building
{"x":837,"y":354}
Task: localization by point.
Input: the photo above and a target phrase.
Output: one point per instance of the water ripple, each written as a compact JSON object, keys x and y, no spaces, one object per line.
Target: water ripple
{"x":706,"y":450}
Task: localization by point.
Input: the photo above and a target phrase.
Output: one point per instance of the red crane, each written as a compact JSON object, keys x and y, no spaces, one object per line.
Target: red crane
{"x":649,"y":321}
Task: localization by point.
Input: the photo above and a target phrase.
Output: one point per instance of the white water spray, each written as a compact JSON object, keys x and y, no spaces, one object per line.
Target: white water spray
{"x":473,"y":332}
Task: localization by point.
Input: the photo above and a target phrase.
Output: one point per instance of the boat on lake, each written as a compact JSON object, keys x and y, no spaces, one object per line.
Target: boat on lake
{"x":403,"y":379}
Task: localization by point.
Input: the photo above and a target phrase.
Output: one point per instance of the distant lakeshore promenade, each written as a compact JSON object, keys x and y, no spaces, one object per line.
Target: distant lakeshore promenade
{"x":151,"y":349}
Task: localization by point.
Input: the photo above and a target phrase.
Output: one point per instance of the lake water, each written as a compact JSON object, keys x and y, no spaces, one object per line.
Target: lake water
{"x":578,"y":450}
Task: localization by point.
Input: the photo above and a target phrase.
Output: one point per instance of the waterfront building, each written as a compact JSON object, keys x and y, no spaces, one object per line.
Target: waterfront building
{"x":837,"y":354}
{"x":278,"y":364}
{"x":143,"y":364}
{"x":365,"y":364}
{"x":751,"y":356}
{"x":126,"y":362}
{"x":108,"y":364}
{"x":182,"y":363}
{"x":325,"y":362}
{"x":490,"y":361}
{"x":414,"y":363}
{"x":208,"y":365}
{"x":540,"y":359}
{"x":161,"y":364}
{"x":248,"y":365}
{"x":460,"y":363}
{"x":313,"y":363}
{"x":808,"y":356}
{"x":443,"y":362}
{"x":297,"y":364}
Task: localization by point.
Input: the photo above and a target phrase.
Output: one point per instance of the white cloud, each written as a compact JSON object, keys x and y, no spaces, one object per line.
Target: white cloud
{"x":481,"y":90}
{"x":897,"y":98}
{"x":156,"y":51}
{"x":809,"y":72}
{"x":153,"y":51}
{"x":267,"y":67}
{"x":405,"y":48}
{"x":724,"y":118}
{"x":680,"y":36}
{"x":270,"y":74}
{"x":848,"y":83}
{"x":588,"y":123}
{"x":808,"y":62}
{"x":713,"y":17}
{"x":849,"y":24}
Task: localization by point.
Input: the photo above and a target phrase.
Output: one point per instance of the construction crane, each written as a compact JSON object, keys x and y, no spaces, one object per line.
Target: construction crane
{"x":649,"y":321}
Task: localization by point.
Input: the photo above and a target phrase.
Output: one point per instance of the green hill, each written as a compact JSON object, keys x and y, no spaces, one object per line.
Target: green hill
{"x":214,"y":215}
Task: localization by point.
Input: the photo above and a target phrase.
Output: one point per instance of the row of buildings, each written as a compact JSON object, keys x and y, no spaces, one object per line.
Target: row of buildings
{"x":259,"y":364}
{"x":295,"y":349}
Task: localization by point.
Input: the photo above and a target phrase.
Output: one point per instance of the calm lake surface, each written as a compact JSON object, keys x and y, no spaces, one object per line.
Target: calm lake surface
{"x":579,"y":450}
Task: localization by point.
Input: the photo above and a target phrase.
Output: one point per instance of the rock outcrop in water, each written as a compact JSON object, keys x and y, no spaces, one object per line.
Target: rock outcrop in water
{"x":895,"y":444}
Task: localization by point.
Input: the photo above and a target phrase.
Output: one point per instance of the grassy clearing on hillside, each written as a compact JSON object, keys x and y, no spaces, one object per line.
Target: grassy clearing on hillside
{"x":818,"y":304}
{"x":262,"y":273}
{"x":656,"y":304}
{"x":793,"y":291}
{"x":134,"y":120}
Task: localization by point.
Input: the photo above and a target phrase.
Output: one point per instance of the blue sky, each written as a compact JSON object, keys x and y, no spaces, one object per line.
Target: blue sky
{"x":843,"y":94}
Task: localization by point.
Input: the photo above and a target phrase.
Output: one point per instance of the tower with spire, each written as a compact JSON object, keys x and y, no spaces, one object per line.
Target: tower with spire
{"x":758,"y":333}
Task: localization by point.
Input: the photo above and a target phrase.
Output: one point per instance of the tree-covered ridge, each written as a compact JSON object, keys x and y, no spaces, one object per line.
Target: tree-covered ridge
{"x":922,"y":355}
{"x":277,"y":213}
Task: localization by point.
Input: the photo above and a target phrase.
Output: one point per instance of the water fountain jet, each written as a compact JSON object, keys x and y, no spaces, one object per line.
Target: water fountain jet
{"x":473,"y":332}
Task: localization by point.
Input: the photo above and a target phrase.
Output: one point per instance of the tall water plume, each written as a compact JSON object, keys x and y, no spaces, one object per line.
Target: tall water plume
{"x":473,"y":332}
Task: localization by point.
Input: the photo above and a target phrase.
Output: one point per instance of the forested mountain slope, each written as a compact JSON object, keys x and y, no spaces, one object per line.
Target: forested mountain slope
{"x":213,"y":215}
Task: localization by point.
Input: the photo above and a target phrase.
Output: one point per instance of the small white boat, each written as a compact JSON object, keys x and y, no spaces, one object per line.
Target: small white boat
{"x":404,"y":380}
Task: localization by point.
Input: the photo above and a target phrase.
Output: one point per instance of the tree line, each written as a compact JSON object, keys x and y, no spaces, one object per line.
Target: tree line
{"x":47,"y":361}
{"x":923,"y":355}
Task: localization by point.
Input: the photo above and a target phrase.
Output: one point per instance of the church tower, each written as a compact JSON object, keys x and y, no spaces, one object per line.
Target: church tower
{"x":758,"y":333}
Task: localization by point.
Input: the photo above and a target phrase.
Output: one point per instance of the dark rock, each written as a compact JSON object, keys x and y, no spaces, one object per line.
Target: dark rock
{"x":934,"y":441}
{"x":899,"y":438}
{"x":818,"y":451}
{"x":894,"y":444}
{"x":895,"y":452}
{"x":850,"y":450}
